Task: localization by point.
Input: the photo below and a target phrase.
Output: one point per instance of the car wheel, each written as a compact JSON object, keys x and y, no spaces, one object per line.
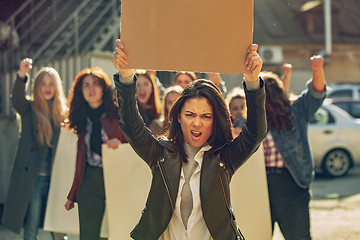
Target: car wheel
{"x":336,"y":163}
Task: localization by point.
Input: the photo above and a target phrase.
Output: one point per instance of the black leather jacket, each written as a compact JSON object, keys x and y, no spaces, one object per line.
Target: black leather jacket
{"x":217,"y":169}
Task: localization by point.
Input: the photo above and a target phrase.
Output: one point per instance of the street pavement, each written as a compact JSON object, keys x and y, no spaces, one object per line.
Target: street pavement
{"x":334,"y":210}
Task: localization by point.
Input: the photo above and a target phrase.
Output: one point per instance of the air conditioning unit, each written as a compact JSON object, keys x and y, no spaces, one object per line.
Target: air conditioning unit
{"x":271,"y":54}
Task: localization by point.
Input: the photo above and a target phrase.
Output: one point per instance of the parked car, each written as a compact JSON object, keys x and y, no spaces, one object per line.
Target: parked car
{"x":344,"y":90}
{"x":334,"y":140}
{"x":349,"y":105}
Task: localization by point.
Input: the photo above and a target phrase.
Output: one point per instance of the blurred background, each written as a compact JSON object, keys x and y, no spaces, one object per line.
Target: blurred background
{"x":70,"y":35}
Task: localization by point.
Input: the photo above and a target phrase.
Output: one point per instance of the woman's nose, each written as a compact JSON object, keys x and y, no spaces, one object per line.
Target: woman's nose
{"x":197,"y":121}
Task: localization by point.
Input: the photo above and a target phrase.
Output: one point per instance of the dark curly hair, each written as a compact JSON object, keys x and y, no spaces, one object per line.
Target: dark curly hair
{"x":77,"y":104}
{"x":221,"y":130}
{"x":277,"y":104}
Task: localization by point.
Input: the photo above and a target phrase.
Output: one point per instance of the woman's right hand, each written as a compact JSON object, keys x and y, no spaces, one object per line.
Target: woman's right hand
{"x":119,"y":59}
{"x":69,"y":205}
{"x":25,"y":66}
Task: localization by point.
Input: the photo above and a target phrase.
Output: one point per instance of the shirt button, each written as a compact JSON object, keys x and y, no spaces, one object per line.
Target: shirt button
{"x":221,"y":164}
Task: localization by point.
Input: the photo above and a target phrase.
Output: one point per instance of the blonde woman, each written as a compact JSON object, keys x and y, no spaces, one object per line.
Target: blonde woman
{"x":41,"y":118}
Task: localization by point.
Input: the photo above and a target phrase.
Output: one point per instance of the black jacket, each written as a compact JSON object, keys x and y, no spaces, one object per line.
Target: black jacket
{"x":217,"y":169}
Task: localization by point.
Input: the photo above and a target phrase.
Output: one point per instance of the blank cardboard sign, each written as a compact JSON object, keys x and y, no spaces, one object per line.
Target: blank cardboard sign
{"x":187,"y":35}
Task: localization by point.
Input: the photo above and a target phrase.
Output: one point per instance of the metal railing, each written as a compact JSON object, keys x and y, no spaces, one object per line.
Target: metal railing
{"x":52,"y":30}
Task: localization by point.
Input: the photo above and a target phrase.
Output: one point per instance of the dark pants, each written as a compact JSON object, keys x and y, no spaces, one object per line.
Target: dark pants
{"x":91,"y":203}
{"x":289,"y":206}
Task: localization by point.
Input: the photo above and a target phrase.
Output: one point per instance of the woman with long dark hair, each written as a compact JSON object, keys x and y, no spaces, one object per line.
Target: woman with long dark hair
{"x":93,"y":117}
{"x":193,"y":163}
{"x":289,"y":165}
{"x":147,"y":95}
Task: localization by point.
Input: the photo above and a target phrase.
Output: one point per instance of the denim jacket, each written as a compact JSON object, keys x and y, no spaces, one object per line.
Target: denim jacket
{"x":293,"y":144}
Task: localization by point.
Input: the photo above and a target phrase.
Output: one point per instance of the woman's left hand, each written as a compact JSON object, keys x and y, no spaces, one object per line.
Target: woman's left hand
{"x":119,"y":59}
{"x":113,"y":143}
{"x":253,"y":63}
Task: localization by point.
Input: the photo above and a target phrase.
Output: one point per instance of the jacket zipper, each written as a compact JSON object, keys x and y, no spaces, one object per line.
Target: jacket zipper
{"x":223,"y":190}
{"x":228,"y":207}
{"x":167,"y":188}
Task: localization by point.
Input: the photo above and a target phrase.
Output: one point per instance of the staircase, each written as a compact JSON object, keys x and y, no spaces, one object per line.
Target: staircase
{"x":54,"y":30}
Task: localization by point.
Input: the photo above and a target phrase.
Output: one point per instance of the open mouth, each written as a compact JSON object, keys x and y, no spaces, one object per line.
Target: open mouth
{"x":196,"y":134}
{"x":142,"y":95}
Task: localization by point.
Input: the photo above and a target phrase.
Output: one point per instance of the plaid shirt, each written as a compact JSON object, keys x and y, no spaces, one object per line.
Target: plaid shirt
{"x":272,"y":155}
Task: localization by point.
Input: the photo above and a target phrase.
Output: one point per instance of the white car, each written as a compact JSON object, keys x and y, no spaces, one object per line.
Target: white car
{"x":349,"y":90}
{"x":334,"y":138}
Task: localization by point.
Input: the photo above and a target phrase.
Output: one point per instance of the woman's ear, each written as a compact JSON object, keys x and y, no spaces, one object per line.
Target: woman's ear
{"x":178,"y":118}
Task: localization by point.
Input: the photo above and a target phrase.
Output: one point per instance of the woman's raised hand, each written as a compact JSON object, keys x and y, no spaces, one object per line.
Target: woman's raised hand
{"x":253,"y":63}
{"x":119,"y":59}
{"x":25,"y":66}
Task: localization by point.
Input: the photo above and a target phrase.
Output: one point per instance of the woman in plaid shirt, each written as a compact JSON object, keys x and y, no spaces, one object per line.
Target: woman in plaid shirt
{"x":288,"y":160}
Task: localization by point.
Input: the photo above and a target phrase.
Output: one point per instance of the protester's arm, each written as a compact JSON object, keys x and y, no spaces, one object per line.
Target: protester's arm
{"x":119,"y":59}
{"x":309,"y":101}
{"x":131,"y":124}
{"x":286,"y":79}
{"x":19,"y":101}
{"x":253,"y":63}
{"x":254,"y":132}
{"x":318,"y":79}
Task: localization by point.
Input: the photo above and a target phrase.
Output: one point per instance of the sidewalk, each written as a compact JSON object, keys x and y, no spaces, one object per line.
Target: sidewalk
{"x":330,"y":219}
{"x":6,"y":234}
{"x":333,"y":219}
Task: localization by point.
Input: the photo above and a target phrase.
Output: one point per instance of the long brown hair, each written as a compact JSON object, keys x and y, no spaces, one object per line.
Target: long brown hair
{"x":277,"y":104}
{"x":221,"y":131}
{"x":44,"y":112}
{"x":154,"y":100}
{"x":78,"y":105}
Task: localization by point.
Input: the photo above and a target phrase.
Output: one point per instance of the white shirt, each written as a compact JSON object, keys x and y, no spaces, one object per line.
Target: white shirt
{"x":197,"y":228}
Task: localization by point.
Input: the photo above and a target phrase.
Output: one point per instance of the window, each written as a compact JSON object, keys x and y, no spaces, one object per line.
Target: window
{"x":322,"y":116}
{"x":344,"y":106}
{"x":341,"y":93}
{"x":355,"y":109}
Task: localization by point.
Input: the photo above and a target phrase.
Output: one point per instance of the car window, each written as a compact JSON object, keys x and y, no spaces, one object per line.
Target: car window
{"x":343,"y":105}
{"x":355,"y":109}
{"x":345,"y":93}
{"x":322,"y":116}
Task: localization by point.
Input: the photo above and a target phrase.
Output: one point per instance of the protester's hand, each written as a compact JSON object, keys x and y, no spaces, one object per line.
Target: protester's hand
{"x":316,"y":62}
{"x":119,"y":59}
{"x":69,"y":205}
{"x":25,"y":66}
{"x":287,"y":69}
{"x":113,"y":143}
{"x":253,"y":63}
